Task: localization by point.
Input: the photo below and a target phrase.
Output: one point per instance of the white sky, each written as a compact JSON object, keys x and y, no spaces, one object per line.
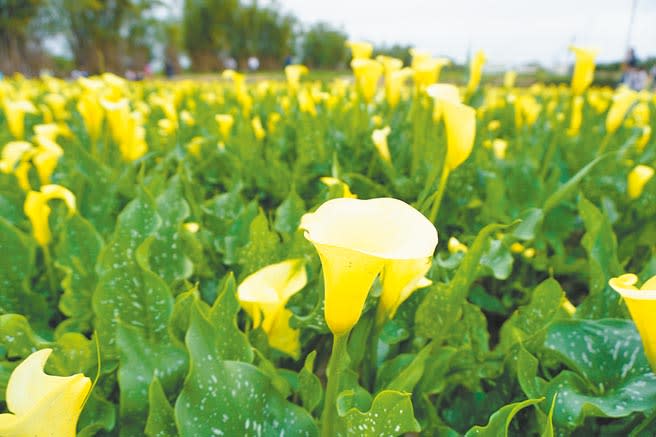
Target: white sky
{"x":511,"y":32}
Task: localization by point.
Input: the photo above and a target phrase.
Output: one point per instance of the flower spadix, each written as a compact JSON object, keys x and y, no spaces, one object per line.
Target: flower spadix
{"x":264,"y":294}
{"x":642,"y":306}
{"x":42,"y":405}
{"x":359,"y":239}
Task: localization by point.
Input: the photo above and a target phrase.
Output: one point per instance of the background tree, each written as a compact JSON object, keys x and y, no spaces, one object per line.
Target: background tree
{"x":16,"y":40}
{"x":324,"y":47}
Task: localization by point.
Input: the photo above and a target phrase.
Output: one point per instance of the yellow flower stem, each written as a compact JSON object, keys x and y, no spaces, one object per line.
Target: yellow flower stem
{"x":336,"y":366}
{"x":548,"y":156}
{"x":437,"y":200}
{"x":47,"y":259}
{"x":604,"y":144}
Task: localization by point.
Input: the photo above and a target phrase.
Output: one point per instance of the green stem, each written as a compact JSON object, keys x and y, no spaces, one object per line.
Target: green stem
{"x":548,"y":156}
{"x":440,"y":193}
{"x":336,"y":366}
{"x":47,"y":259}
{"x":604,"y":144}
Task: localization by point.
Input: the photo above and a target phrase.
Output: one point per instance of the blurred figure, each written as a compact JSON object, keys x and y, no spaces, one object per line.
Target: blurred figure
{"x":168,"y":69}
{"x":230,"y":63}
{"x":253,"y":63}
{"x":632,"y":75}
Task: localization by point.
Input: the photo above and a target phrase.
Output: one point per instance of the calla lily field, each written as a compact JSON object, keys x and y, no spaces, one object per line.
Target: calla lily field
{"x":380,"y":254}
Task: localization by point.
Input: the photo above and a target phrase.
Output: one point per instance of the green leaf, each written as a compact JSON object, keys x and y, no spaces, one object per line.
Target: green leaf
{"x":500,"y":420}
{"x":161,"y":417}
{"x":600,"y":244}
{"x":288,"y":214}
{"x":531,"y":220}
{"x":76,"y":254}
{"x":309,"y":389}
{"x":529,"y":322}
{"x":498,"y":259}
{"x":263,"y":247}
{"x":611,"y":376}
{"x":222,"y":397}
{"x":391,"y":414}
{"x":16,"y":271}
{"x":17,"y":337}
{"x":409,"y":377}
{"x":568,"y":187}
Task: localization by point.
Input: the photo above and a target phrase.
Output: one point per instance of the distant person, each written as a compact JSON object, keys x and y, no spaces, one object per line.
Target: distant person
{"x":230,"y":63}
{"x":631,"y":74}
{"x":168,"y":69}
{"x":2,"y":76}
{"x":253,"y":63}
{"x":288,"y":61}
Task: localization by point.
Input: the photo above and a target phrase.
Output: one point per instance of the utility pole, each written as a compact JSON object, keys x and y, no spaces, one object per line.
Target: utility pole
{"x":634,"y":6}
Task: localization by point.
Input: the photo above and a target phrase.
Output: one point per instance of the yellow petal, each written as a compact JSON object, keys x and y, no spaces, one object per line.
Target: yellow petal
{"x":42,"y":405}
{"x":637,"y":179}
{"x":583,"y":68}
{"x":360,"y":49}
{"x":642,"y":306}
{"x":400,"y":278}
{"x":622,"y":101}
{"x":367,"y":74}
{"x":355,"y":239}
{"x":460,"y":121}
{"x":379,"y":137}
{"x":476,"y":71}
{"x":37,"y":210}
{"x":294,"y":73}
{"x":275,"y":283}
{"x":283,"y":337}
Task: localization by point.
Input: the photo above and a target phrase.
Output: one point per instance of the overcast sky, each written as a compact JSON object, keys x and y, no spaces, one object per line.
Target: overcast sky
{"x":511,"y":32}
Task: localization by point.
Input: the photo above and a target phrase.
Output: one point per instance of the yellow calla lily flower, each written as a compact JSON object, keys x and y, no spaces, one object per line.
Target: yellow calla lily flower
{"x":623,"y":99}
{"x":360,"y":49}
{"x":92,"y":114}
{"x":499,"y":147}
{"x":118,"y":113}
{"x":509,"y":79}
{"x":264,"y":294}
{"x":475,"y":71}
{"x":367,"y":74}
{"x":642,"y":305}
{"x":460,"y":121}
{"x":419,"y":56}
{"x":258,"y":129}
{"x":577,"y":116}
{"x":454,"y":245}
{"x":390,"y":64}
{"x":14,"y":159}
{"x":527,"y":110}
{"x":379,"y":137}
{"x":637,"y":179}
{"x":644,"y":138}
{"x":442,"y":92}
{"x":37,"y":210}
{"x":359,"y":239}
{"x":583,"y":69}
{"x":57,"y":103}
{"x":393,"y":85}
{"x":330,"y":181}
{"x":46,"y":158}
{"x":306,"y":102}
{"x":225,"y":122}
{"x":427,"y":71}
{"x":42,"y":405}
{"x":293,"y":74}
{"x":15,"y":111}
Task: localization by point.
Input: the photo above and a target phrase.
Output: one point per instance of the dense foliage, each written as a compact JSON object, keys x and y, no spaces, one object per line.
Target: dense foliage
{"x":168,"y":195}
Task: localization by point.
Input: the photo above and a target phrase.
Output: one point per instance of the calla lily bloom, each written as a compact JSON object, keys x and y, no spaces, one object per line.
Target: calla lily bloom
{"x":46,"y":158}
{"x":359,"y":239}
{"x":427,"y":72}
{"x":499,"y":147}
{"x":37,"y":210}
{"x":527,"y":110}
{"x":330,"y":182}
{"x":367,"y":74}
{"x":264,"y":294}
{"x":475,"y":71}
{"x":638,"y":178}
{"x":42,"y":405}
{"x":623,"y":99}
{"x":509,"y":79}
{"x":642,"y":306}
{"x":419,"y":56}
{"x":442,"y":92}
{"x":258,"y":129}
{"x":577,"y":116}
{"x":92,"y":114}
{"x":379,"y":137}
{"x":225,"y":122}
{"x":644,"y":138}
{"x":454,"y":245}
{"x":460,"y":121}
{"x":390,"y":64}
{"x":15,"y":111}
{"x":583,"y":69}
{"x":15,"y":159}
{"x":360,"y":49}
{"x":393,"y":84}
{"x":293,"y":74}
